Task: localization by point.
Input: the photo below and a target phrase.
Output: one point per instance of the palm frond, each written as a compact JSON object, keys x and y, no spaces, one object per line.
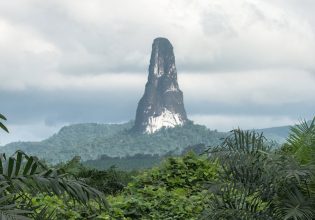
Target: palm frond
{"x":25,"y":173}
{"x":301,"y":141}
{"x":252,"y":176}
{"x":2,"y":126}
{"x":295,"y":206}
{"x":8,"y":207}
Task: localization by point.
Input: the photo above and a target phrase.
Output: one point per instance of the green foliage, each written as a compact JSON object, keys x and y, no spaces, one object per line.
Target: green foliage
{"x":23,"y":176}
{"x":57,"y":207}
{"x":8,"y":206}
{"x":255,"y":183}
{"x":25,"y":173}
{"x":301,"y":145}
{"x":173,"y":191}
{"x":92,"y":140}
{"x":301,"y":142}
{"x":110,"y":181}
{"x":242,"y":179}
{"x":128,"y":163}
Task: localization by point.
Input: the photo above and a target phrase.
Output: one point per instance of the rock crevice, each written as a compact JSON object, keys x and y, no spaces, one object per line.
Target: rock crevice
{"x":162,"y":104}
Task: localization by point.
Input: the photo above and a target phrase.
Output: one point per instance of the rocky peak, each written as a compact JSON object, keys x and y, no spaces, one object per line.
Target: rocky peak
{"x":162,"y":103}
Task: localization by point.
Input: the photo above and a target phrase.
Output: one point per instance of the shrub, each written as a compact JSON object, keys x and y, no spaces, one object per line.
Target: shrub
{"x":175,"y":190}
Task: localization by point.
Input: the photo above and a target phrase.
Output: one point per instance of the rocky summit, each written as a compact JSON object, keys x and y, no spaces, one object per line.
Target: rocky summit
{"x":162,"y":104}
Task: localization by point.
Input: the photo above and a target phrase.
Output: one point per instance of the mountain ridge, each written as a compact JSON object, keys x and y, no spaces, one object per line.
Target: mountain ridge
{"x":91,"y":140}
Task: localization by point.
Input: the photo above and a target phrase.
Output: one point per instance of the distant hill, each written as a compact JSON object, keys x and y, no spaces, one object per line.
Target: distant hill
{"x":139,"y":161}
{"x":90,"y":141}
{"x":278,"y":134}
{"x":93,"y":141}
{"x":143,"y":161}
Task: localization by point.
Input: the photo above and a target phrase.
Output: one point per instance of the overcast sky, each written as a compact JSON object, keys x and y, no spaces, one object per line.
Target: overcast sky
{"x":247,"y":63}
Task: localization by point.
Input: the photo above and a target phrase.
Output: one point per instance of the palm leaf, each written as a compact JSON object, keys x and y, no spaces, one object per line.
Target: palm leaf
{"x":8,"y":208}
{"x":302,"y":139}
{"x":25,"y":173}
{"x":295,"y":206}
{"x":2,"y":117}
{"x":255,"y":183}
{"x":3,"y":127}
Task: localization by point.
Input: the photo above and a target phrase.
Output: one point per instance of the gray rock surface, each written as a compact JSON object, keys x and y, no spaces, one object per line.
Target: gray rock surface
{"x":162,"y":104}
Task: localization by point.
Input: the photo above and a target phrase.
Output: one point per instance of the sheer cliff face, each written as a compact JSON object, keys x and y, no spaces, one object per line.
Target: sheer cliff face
{"x":162,"y":103}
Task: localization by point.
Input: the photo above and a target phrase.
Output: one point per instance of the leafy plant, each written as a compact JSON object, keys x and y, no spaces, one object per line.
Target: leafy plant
{"x":110,"y":181}
{"x":2,"y":126}
{"x":25,"y":173}
{"x":175,"y":190}
{"x":8,"y":206}
{"x":23,"y":176}
{"x":255,"y":183}
{"x":301,"y":142}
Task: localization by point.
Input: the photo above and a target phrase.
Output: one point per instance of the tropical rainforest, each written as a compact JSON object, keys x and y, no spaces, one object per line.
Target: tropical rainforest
{"x":92,"y":141}
{"x":242,"y":178}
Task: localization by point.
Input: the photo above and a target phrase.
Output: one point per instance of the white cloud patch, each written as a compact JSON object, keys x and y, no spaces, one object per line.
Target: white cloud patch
{"x":255,"y":34}
{"x":55,"y":81}
{"x":23,"y":39}
{"x":261,"y":87}
{"x":30,"y":132}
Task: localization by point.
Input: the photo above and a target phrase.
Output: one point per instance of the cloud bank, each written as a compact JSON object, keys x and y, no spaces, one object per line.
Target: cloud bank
{"x":240,"y":63}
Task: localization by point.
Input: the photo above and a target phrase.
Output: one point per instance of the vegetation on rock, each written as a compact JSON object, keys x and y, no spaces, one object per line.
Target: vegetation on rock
{"x":90,"y":141}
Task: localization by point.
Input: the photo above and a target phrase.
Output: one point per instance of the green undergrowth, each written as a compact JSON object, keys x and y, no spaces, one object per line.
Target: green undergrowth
{"x":175,"y":190}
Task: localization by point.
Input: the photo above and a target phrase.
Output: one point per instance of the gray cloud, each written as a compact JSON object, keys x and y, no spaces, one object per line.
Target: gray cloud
{"x":68,"y":106}
{"x":80,"y":61}
{"x":96,"y":37}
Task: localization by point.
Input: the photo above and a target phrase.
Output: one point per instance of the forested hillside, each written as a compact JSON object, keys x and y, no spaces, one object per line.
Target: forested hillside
{"x":90,"y":141}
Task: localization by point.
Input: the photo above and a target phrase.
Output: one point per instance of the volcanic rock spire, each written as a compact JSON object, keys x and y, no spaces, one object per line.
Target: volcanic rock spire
{"x":162,"y":103}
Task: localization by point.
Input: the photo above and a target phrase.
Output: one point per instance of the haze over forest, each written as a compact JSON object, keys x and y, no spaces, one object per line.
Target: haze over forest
{"x":245,"y":63}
